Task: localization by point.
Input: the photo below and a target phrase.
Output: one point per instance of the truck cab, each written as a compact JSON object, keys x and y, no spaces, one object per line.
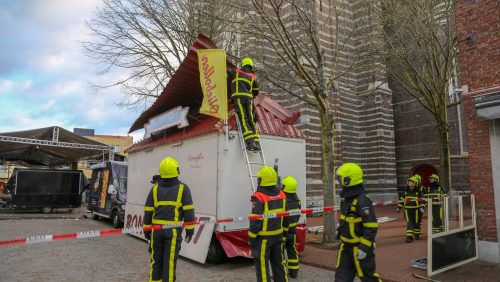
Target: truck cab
{"x":108,"y":191}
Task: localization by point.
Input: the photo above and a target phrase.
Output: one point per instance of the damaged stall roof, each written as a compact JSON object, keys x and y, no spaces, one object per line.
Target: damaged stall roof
{"x":184,"y":90}
{"x":51,"y":146}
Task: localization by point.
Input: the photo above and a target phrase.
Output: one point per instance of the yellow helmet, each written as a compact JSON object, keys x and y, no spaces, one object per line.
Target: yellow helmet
{"x":247,"y":62}
{"x":169,"y":168}
{"x":413,"y":179}
{"x":350,"y":174}
{"x":434,"y":176}
{"x":289,"y":184}
{"x":418,"y":179}
{"x":268,"y":176}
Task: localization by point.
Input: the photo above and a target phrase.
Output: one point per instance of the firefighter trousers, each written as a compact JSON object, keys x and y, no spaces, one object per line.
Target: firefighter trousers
{"x":437,"y":218}
{"x":348,"y":265}
{"x":292,"y":255}
{"x":244,"y":107}
{"x":165,"y":247}
{"x":413,"y":222}
{"x":265,"y":250}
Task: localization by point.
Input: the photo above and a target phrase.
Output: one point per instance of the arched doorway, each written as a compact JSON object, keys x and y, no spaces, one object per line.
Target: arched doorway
{"x":424,"y":170}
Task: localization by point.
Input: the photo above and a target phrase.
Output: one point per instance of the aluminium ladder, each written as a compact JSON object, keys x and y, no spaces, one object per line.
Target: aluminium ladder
{"x":248,"y":163}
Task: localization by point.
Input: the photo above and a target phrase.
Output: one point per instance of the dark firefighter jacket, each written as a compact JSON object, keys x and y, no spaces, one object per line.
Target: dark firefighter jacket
{"x":169,"y":202}
{"x":292,"y":203}
{"x":267,"y":200}
{"x":243,"y":84}
{"x":411,"y":198}
{"x":358,"y":223}
{"x":436,"y":192}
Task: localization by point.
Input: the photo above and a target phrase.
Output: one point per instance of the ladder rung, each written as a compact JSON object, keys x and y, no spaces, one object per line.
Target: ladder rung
{"x":256,"y":163}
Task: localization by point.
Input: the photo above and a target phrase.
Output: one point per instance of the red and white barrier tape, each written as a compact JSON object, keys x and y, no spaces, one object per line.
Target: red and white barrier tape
{"x":119,"y":231}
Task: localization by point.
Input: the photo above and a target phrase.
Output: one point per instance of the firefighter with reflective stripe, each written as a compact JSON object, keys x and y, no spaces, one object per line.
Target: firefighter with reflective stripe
{"x":289,"y":186}
{"x":412,"y":202}
{"x":423,"y":190}
{"x":244,"y":89}
{"x":168,"y":202}
{"x":357,"y":228}
{"x":265,"y":235}
{"x":436,"y":193}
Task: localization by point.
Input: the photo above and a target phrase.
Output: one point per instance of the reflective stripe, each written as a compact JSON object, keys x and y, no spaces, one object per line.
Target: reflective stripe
{"x":293,"y":267}
{"x":171,"y":259}
{"x":351,"y":219}
{"x":160,"y":221}
{"x":155,"y":192}
{"x":243,"y":120}
{"x":370,"y":224}
{"x":293,"y":260}
{"x":251,"y":234}
{"x":366,"y":242}
{"x":189,"y":226}
{"x":270,"y":233}
{"x":241,"y":94}
{"x":339,"y":254}
{"x":146,"y":208}
{"x":263,"y":261}
{"x":293,"y":224}
{"x":356,"y":262}
{"x":188,"y":207}
{"x":350,"y":241}
{"x":152,"y":257}
{"x":168,"y":203}
{"x":179,"y":201}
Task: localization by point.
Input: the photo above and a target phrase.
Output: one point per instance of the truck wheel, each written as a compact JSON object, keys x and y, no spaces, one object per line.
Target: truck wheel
{"x":46,"y":210}
{"x":116,"y":220}
{"x":215,"y":252}
{"x":95,"y":216}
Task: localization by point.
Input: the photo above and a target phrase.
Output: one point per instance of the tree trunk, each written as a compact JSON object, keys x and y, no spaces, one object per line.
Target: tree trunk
{"x":444,"y":151}
{"x":329,"y":220}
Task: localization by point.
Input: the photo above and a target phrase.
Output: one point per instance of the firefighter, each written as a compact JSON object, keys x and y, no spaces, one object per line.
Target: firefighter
{"x":168,"y":202}
{"x":265,"y":235}
{"x":423,"y":190}
{"x":289,"y":186}
{"x":436,"y":193}
{"x":412,"y":202}
{"x":244,"y":89}
{"x":357,"y":228}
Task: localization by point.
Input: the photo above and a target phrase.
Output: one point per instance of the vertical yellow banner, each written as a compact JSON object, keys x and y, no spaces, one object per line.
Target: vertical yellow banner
{"x":212,"y":66}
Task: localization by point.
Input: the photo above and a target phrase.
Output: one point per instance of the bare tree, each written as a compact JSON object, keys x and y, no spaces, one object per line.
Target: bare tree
{"x":149,"y":39}
{"x":286,"y":37}
{"x":420,"y":50}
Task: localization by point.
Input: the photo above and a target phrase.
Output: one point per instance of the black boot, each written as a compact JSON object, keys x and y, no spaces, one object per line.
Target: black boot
{"x":417,"y":237}
{"x":251,"y":145}
{"x":409,"y":239}
{"x":257,"y":146}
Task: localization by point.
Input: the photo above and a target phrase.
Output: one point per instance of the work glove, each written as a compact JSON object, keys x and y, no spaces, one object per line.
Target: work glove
{"x":422,"y":210}
{"x":189,"y":235}
{"x":361,"y":255}
{"x":147,"y":235}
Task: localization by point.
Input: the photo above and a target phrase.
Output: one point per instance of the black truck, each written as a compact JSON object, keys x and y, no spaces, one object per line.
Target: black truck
{"x":108,"y":191}
{"x":45,"y":189}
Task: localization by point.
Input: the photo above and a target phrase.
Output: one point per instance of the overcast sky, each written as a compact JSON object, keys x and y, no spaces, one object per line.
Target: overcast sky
{"x":44,"y":72}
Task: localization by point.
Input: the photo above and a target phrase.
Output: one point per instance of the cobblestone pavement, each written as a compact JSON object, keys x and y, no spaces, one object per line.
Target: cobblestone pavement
{"x":113,"y":258}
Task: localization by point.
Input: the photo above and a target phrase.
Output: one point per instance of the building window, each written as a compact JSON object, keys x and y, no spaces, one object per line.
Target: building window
{"x":116,"y":148}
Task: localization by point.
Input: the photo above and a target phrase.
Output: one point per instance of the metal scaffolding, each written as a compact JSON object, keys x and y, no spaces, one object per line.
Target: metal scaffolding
{"x":55,"y":143}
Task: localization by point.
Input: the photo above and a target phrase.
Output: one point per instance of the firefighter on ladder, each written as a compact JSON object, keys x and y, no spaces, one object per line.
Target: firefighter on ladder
{"x":244,"y":89}
{"x":168,"y":202}
{"x":436,"y":193}
{"x":357,"y":228}
{"x":412,"y":202}
{"x":265,"y":235}
{"x":289,"y":186}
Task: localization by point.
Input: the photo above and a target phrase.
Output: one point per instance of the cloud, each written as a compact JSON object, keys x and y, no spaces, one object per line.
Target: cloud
{"x":44,"y":73}
{"x":14,"y":85}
